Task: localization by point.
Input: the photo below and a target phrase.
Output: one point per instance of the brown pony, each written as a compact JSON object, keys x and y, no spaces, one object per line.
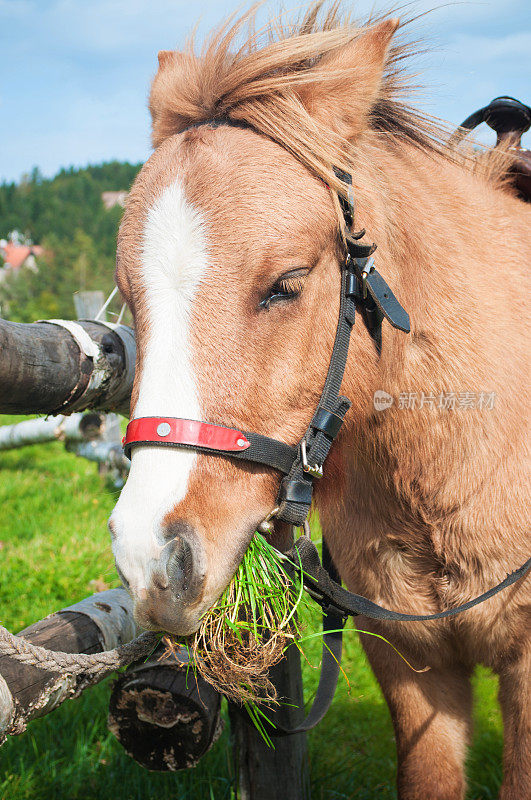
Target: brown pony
{"x":423,"y":503}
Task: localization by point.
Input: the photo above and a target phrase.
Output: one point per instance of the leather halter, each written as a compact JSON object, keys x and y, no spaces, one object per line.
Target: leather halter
{"x":362,"y":288}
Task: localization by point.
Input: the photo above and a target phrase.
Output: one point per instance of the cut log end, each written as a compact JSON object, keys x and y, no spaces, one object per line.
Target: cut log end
{"x":164,"y":718}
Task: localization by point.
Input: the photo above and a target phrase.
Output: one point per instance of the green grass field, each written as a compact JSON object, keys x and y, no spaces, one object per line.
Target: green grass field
{"x":55,"y":550}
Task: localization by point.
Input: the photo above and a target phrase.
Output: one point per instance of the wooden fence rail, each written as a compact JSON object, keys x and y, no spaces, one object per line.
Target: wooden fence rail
{"x":49,"y":369}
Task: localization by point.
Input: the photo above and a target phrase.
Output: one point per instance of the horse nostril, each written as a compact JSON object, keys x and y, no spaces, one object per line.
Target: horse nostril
{"x":180,"y":565}
{"x":175,"y":529}
{"x":179,"y":560}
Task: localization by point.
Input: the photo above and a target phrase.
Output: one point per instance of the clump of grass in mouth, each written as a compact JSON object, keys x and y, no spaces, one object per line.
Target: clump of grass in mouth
{"x":247,"y":630}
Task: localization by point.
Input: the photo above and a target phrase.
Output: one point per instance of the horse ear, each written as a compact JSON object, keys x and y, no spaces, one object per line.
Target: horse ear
{"x":169,"y":103}
{"x":346,"y":100}
{"x":164,"y":56}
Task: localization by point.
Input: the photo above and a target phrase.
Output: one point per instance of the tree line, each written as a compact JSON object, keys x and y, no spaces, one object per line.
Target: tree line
{"x":65,"y":214}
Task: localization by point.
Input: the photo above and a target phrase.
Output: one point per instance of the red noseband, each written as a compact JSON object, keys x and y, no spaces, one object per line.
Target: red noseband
{"x":185,"y":432}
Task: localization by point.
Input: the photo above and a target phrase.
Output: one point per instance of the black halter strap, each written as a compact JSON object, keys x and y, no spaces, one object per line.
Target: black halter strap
{"x":364,"y":288}
{"x":324,"y":585}
{"x":328,"y":592}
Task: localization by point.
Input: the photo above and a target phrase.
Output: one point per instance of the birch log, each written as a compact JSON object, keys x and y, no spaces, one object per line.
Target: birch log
{"x":76,"y":428}
{"x":109,"y":454}
{"x":7,"y":707}
{"x":98,"y":623}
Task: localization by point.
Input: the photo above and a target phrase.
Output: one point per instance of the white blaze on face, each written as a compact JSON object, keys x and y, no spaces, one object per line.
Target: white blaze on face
{"x":173,"y":262}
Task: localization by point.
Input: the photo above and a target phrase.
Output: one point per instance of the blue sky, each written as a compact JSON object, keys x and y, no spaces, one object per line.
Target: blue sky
{"x":75,"y":75}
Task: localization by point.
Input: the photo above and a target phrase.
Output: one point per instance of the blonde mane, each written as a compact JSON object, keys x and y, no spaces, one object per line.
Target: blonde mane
{"x":256,"y":77}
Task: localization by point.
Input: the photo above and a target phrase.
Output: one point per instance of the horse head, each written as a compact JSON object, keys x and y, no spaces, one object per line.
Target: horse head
{"x":229,"y":258}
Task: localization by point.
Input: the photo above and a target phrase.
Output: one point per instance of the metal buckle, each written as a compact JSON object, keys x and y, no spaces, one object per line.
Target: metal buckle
{"x":305,"y":527}
{"x":266,"y":526}
{"x":315,"y":470}
{"x":366,"y":271}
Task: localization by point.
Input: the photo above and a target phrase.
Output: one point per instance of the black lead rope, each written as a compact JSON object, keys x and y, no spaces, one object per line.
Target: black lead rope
{"x":324,"y":585}
{"x":329,"y":593}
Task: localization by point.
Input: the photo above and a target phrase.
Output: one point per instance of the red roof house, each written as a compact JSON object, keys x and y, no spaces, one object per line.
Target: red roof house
{"x":15,"y":255}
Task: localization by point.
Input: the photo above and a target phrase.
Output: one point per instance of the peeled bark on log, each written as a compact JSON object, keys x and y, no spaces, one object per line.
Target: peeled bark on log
{"x":44,"y":370}
{"x":164,"y":716}
{"x":7,"y":706}
{"x":98,"y":623}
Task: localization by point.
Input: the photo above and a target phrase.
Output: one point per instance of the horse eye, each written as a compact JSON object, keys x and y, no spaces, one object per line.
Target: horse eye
{"x":283,"y":289}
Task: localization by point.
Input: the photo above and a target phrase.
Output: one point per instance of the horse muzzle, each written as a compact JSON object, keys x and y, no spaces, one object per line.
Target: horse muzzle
{"x":171,"y":591}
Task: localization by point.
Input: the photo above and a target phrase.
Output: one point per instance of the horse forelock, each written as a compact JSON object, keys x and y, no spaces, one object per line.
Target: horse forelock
{"x":272,"y":78}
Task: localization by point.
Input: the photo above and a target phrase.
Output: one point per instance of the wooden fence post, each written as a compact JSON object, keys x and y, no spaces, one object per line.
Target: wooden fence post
{"x":264,"y":773}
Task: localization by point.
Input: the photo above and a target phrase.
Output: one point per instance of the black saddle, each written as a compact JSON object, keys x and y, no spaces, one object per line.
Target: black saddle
{"x":510,"y":119}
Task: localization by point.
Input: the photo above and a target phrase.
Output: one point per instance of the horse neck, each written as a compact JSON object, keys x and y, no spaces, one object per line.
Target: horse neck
{"x":436,"y":225}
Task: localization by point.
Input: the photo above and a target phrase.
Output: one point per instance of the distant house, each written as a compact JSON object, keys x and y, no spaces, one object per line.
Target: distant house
{"x":17,"y":255}
{"x":111,"y":199}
